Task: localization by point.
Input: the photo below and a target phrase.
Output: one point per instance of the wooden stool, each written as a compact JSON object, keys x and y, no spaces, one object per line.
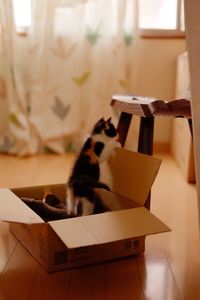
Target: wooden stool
{"x":147,"y":109}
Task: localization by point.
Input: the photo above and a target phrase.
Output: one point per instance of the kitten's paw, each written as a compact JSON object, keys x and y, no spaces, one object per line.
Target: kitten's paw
{"x":51,"y":199}
{"x":106,"y":187}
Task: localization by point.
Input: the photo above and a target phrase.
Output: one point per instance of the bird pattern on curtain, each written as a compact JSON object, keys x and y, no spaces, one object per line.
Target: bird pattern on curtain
{"x":59,"y":78}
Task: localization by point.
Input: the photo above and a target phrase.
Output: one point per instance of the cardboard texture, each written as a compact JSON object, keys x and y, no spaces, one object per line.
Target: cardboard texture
{"x":131,"y":174}
{"x":13,"y":209}
{"x":84,"y":240}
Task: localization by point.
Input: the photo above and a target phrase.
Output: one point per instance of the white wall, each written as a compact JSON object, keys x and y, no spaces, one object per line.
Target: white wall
{"x":156,"y":76}
{"x":192,"y":12}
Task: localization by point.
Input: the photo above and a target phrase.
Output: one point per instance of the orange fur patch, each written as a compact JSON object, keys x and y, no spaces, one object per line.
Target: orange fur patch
{"x":91,"y":154}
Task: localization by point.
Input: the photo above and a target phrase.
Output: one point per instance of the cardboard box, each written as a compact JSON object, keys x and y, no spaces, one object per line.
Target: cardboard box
{"x":80,"y":241}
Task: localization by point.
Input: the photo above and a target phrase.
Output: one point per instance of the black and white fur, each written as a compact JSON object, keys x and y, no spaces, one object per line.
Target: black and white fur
{"x":81,"y":198}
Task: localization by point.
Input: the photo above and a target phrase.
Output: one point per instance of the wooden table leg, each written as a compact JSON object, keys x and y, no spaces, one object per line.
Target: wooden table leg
{"x":190,"y":126}
{"x":123,"y":127}
{"x":145,"y":143}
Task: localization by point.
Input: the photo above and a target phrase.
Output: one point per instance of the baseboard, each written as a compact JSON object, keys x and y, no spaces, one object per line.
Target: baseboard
{"x":161,"y":147}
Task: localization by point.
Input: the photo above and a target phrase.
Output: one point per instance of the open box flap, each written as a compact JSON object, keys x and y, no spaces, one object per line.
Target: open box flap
{"x":115,"y":202}
{"x":107,"y":227}
{"x":130,"y":174}
{"x":12,"y":209}
{"x":37,"y":192}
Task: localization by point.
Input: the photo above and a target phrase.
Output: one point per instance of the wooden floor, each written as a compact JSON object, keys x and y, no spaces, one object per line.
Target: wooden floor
{"x":168,"y":270}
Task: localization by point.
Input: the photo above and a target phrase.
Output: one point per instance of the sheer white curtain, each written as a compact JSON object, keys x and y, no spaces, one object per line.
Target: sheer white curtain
{"x":59,"y":79}
{"x":14,"y":127}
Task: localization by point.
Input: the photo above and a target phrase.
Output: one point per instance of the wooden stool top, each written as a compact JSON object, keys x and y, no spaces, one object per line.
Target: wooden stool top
{"x":152,"y":107}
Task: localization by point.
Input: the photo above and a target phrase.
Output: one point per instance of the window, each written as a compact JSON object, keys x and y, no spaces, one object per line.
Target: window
{"x":156,"y":18}
{"x":22,"y":14}
{"x":161,"y":18}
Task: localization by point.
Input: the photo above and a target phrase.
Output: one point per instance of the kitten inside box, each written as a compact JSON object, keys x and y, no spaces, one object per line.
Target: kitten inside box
{"x":51,"y":208}
{"x":81,"y":197}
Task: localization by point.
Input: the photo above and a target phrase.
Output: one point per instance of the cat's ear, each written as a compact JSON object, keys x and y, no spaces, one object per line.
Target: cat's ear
{"x":101,"y":120}
{"x":109,"y":120}
{"x":99,"y":126}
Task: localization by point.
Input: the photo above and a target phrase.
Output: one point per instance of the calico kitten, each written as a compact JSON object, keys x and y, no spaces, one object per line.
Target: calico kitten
{"x":81,"y":198}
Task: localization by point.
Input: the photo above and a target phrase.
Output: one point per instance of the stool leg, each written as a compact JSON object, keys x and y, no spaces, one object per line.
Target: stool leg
{"x":190,"y":125}
{"x":145,"y":143}
{"x":123,"y":127}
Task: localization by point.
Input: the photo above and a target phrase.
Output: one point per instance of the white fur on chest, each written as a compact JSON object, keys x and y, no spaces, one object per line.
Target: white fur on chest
{"x":73,"y":202}
{"x":109,"y":145}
